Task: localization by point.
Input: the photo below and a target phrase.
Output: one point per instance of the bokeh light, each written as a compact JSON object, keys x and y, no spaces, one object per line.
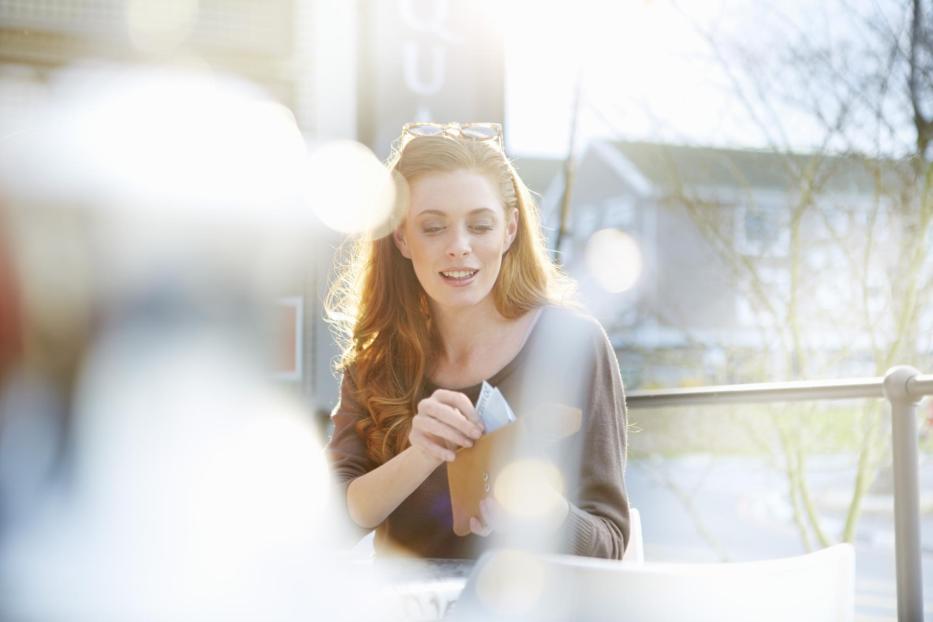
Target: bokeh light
{"x":163,"y":141}
{"x":530,"y":489}
{"x":613,"y":258}
{"x":194,"y":500}
{"x":511,"y":582}
{"x":348,"y":188}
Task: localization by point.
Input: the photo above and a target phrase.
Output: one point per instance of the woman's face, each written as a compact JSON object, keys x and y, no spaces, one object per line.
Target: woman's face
{"x":455,"y":235}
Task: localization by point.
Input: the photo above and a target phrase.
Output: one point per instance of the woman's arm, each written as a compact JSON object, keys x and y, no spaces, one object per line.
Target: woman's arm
{"x":579,"y":369}
{"x":444,"y":421}
{"x":375,"y":495}
{"x":598,"y":511}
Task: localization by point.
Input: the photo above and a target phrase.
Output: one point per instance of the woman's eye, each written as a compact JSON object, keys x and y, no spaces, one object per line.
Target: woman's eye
{"x":432,"y":229}
{"x":482,"y":227}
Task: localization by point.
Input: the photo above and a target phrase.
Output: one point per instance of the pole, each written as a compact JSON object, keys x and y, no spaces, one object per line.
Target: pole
{"x":906,"y":493}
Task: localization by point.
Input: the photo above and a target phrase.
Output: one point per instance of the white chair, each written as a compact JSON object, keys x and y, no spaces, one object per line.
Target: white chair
{"x":635,"y":549}
{"x":510,"y":585}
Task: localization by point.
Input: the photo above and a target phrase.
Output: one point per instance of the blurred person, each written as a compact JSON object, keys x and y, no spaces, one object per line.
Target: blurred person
{"x":149,"y":467}
{"x":39,"y":359}
{"x":463,"y":291}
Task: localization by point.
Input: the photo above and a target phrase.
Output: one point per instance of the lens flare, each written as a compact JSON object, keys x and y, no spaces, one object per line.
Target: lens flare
{"x":530,"y":489}
{"x":511,"y":583}
{"x":349,"y":189}
{"x":613,"y":258}
{"x":162,"y":141}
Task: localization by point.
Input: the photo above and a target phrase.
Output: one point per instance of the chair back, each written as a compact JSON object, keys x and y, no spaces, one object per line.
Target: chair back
{"x":635,"y":548}
{"x":512,"y":586}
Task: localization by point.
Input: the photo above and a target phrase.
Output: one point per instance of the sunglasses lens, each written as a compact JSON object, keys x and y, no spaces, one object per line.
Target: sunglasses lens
{"x":479,"y":132}
{"x":425,"y":130}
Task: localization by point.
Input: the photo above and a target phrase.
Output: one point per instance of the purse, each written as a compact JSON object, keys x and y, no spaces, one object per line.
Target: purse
{"x":472,"y":475}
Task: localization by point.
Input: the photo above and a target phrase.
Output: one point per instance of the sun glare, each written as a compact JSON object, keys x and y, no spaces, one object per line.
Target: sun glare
{"x":529,"y":489}
{"x":349,"y":188}
{"x":614,"y":260}
{"x":644,"y":71}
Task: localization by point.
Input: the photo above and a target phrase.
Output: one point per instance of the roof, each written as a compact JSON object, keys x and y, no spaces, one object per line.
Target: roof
{"x":670,"y":166}
{"x":664,"y":168}
{"x":538,"y":173}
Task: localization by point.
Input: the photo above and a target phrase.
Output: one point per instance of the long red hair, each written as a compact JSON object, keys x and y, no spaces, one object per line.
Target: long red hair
{"x":381,"y":313}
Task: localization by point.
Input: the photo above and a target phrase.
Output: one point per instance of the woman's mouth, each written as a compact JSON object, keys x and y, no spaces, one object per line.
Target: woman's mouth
{"x":458,"y":277}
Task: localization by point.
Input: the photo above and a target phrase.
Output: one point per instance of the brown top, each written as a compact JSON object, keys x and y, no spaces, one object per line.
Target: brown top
{"x":567,"y":359}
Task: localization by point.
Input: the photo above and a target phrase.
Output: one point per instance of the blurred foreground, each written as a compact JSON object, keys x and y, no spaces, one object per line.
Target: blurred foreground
{"x":150,"y":468}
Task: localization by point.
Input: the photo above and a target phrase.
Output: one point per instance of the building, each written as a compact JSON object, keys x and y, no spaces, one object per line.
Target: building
{"x":346,"y":70}
{"x":744,"y":252}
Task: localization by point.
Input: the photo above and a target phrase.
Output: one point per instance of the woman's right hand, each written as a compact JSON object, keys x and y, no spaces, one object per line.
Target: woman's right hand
{"x":445,"y":421}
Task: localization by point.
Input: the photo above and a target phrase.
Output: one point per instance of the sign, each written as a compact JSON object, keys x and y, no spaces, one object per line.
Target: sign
{"x":427,"y":60}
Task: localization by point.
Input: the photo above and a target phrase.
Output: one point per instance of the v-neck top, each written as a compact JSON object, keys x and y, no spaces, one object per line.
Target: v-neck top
{"x":504,"y":372}
{"x":566,"y":359}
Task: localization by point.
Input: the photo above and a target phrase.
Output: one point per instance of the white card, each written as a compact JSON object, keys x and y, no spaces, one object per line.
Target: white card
{"x":492,"y":408}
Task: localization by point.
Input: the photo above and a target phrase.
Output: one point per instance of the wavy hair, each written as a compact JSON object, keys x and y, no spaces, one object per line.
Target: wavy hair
{"x":381,"y":313}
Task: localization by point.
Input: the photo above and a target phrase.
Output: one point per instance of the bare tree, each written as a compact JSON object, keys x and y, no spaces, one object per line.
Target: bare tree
{"x":869,"y":95}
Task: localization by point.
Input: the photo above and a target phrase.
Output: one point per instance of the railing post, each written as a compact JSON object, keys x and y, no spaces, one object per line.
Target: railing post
{"x":906,"y":494}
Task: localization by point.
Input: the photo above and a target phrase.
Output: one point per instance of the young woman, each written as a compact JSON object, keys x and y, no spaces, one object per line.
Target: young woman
{"x":460,"y":292}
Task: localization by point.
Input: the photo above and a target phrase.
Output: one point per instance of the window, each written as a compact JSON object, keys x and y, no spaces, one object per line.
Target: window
{"x":762,"y":231}
{"x":620,"y":213}
{"x":585,"y":220}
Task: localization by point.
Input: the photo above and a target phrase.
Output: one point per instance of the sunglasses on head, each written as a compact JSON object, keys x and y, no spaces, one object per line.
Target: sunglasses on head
{"x":467,"y":131}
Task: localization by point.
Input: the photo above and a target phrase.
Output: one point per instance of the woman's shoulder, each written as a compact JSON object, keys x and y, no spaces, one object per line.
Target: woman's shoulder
{"x":570,"y":322}
{"x":570,"y":334}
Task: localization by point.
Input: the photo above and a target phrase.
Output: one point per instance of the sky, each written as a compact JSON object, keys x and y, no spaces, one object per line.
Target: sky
{"x":634,"y":60}
{"x":646,"y":70}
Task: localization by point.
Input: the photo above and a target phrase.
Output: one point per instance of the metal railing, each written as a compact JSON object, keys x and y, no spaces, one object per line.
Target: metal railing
{"x":903,"y":387}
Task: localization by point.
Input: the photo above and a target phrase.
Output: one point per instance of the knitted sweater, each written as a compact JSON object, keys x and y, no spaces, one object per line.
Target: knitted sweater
{"x":566,"y":359}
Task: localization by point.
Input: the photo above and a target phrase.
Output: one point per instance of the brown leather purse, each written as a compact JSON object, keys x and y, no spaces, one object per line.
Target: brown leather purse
{"x":472,"y":475}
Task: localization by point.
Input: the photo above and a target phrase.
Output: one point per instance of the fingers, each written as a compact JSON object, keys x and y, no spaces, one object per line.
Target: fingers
{"x":430,"y":446}
{"x":483,"y":524}
{"x":449,"y":412}
{"x":445,"y":421}
{"x":479,"y":528}
{"x":433,"y":427}
{"x":459,"y":401}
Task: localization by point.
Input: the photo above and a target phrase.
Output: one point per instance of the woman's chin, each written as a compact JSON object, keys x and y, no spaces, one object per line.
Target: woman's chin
{"x":461,"y":299}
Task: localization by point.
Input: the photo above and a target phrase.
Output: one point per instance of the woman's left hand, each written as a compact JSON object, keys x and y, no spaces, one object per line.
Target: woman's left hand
{"x":489,"y":519}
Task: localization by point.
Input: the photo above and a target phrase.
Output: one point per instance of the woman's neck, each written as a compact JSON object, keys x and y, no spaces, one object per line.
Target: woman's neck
{"x":466,"y":330}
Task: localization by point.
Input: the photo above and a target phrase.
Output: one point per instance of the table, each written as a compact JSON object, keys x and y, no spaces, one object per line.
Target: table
{"x":422,"y":590}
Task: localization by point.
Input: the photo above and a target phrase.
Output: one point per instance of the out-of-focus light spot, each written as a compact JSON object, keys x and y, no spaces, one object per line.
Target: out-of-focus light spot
{"x":205,"y":498}
{"x":160,"y":26}
{"x":349,"y":189}
{"x":530,"y":489}
{"x":511,"y":583}
{"x":614,"y":260}
{"x":161,"y":141}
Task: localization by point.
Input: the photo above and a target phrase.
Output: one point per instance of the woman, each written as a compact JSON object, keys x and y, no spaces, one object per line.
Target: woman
{"x":460,"y":292}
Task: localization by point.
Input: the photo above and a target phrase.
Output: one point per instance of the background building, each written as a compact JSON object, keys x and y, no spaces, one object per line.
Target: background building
{"x":347,"y":70}
{"x":745,"y":254}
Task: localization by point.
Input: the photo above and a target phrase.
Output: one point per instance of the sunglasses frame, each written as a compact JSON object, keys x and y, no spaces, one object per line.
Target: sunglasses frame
{"x":455,"y":130}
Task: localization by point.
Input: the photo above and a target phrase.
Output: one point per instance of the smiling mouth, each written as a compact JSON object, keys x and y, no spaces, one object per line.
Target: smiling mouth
{"x":458,"y":276}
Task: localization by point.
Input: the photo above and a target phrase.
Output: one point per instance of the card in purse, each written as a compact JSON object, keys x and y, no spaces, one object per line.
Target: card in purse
{"x":493,"y":409}
{"x":472,"y":475}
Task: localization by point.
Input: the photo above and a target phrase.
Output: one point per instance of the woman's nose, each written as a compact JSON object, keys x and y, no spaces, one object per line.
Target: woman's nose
{"x":459,"y":245}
